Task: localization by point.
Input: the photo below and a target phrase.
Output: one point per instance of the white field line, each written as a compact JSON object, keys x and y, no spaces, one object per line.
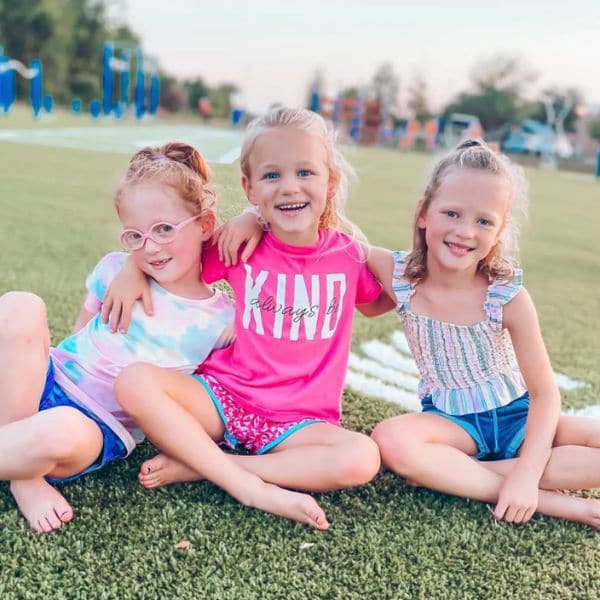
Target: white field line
{"x":378,"y":389}
{"x":385,"y":373}
{"x":230,"y":156}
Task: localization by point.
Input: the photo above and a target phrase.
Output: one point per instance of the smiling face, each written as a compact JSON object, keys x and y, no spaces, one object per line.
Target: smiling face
{"x":175,"y":265}
{"x":289,"y":182}
{"x":465,"y":219}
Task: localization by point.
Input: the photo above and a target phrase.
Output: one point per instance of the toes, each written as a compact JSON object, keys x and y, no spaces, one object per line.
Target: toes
{"x":66,"y":515}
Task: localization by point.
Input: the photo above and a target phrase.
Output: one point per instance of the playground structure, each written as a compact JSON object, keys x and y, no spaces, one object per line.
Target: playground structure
{"x":8,"y":84}
{"x":364,"y":121}
{"x":118,"y":59}
{"x":117,"y":63}
{"x":370,"y":122}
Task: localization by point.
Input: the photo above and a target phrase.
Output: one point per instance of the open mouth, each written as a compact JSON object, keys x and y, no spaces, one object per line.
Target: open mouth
{"x":459,"y":249}
{"x":157,"y":264}
{"x":296,"y":206}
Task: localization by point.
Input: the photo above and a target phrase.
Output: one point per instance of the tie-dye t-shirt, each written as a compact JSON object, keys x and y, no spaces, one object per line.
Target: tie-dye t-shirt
{"x":181,"y":333}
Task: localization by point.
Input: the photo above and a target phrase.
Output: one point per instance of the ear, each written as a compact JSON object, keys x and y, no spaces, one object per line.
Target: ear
{"x":247,"y":188}
{"x":420,"y":214}
{"x":208,"y":223}
{"x":333,"y":185}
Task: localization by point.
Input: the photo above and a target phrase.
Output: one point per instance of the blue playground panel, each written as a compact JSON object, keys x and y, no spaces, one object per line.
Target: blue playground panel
{"x":217,"y":145}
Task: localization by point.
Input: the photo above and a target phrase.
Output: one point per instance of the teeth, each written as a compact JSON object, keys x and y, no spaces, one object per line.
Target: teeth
{"x":292,"y":206}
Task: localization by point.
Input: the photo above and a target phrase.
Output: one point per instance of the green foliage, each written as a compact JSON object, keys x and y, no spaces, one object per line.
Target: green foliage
{"x":497,"y":96}
{"x":196,"y":89}
{"x":595,"y":129}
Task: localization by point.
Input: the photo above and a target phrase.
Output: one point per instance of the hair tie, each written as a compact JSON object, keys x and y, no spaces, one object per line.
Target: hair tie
{"x":159,"y":157}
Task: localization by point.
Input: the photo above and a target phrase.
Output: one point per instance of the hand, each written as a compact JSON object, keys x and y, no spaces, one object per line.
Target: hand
{"x":230,"y":236}
{"x":129,"y":285}
{"x":518,"y":498}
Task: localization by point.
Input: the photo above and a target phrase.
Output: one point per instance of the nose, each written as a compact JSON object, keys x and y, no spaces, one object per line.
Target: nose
{"x":464,"y":229}
{"x":150,"y":246}
{"x":289,"y":184}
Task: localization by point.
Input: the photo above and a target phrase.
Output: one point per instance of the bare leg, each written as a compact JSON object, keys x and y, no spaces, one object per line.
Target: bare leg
{"x":436,"y":453}
{"x":317,"y":458}
{"x":575,"y":460}
{"x":58,"y":442}
{"x":156,"y":399}
{"x":24,"y":351}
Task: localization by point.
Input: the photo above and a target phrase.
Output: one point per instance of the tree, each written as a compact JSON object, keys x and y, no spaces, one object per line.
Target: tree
{"x":497,"y":99}
{"x":220,"y":99}
{"x":559,"y":98}
{"x":196,"y":89}
{"x":385,"y":85}
{"x":595,"y":129}
{"x":417,"y":99}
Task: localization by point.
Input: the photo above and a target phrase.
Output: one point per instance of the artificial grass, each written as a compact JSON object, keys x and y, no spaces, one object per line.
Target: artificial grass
{"x":387,"y":540}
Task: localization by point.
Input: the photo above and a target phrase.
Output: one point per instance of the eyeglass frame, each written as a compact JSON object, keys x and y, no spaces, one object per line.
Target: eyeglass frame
{"x":147,"y":235}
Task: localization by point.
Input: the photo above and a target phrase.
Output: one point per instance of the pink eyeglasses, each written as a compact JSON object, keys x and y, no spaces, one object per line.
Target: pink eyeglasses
{"x":159,"y":233}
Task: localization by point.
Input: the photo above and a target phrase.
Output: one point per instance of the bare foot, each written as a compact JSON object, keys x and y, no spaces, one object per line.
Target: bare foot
{"x":163,"y":470}
{"x":590,"y":514}
{"x":44,"y":507}
{"x":293,"y":505}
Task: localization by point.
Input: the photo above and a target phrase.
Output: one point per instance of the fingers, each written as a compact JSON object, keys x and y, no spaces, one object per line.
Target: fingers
{"x":147,"y":302}
{"x":513,"y":513}
{"x":115,"y":316}
{"x":107,"y":305}
{"x":250,"y":248}
{"x":500,"y":510}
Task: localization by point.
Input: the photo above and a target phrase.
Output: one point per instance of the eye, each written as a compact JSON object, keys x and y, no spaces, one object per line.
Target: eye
{"x":132,"y":236}
{"x":271,"y":175}
{"x":304,"y":173}
{"x":452,"y":214}
{"x":485,"y":222}
{"x":163,"y":229}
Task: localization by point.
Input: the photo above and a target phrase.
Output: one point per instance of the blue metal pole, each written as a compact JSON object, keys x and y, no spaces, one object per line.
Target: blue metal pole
{"x":125,"y":78}
{"x":107,"y":79}
{"x":36,"y":87}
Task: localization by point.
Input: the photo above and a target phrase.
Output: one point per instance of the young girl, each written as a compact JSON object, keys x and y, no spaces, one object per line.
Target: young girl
{"x":487,"y":387}
{"x":276,"y":391}
{"x":58,"y":415}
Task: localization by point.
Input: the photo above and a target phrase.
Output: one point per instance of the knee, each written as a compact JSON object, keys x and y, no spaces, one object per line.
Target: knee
{"x":130,"y":384}
{"x":397,"y":445}
{"x":22,"y":316}
{"x":359,"y":461}
{"x":62,"y":440}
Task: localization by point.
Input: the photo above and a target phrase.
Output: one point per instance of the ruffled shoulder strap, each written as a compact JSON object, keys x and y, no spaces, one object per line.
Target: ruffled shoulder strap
{"x":403,"y":289}
{"x":499,"y":293}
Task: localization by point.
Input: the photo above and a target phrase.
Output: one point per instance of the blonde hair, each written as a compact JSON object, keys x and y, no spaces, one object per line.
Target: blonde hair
{"x":475,"y":154}
{"x":340,"y":171}
{"x":177,"y":165}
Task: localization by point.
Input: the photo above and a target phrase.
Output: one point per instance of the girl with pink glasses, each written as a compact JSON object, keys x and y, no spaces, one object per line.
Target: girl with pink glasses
{"x":58,"y":415}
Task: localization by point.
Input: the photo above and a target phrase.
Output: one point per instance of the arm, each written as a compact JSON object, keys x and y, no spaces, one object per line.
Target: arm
{"x":518,"y":497}
{"x":381,"y":264}
{"x":245,"y":228}
{"x":382,"y":304}
{"x":129,"y":285}
{"x":82,"y":319}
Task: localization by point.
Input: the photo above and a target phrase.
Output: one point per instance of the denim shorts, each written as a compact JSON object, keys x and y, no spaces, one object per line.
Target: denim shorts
{"x":112,"y":447}
{"x":244,"y":429}
{"x":498,"y":433}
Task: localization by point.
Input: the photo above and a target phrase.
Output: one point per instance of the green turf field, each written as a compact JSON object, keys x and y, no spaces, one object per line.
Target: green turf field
{"x":386,"y":540}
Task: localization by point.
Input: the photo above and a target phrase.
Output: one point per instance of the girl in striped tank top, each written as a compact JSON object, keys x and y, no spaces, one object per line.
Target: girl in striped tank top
{"x":491,"y":428}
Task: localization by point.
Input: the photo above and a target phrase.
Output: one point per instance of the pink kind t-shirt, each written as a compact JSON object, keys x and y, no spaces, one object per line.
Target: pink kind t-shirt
{"x":294,"y":311}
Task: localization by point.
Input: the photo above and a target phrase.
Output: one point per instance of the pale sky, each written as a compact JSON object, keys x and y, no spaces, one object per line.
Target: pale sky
{"x":271,"y":48}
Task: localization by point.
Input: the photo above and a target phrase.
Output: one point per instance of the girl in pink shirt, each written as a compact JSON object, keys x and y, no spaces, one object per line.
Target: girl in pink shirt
{"x":276,"y":392}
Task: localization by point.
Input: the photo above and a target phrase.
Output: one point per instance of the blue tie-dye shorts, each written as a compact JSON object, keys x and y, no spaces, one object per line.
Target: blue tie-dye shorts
{"x":112,"y":448}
